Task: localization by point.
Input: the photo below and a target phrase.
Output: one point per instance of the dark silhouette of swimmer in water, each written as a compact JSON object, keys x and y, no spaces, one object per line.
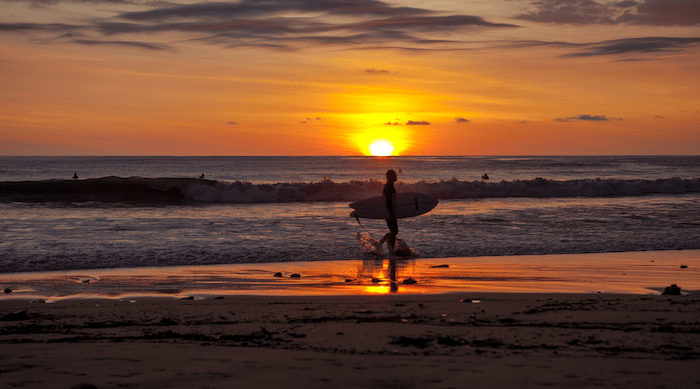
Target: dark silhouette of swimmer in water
{"x":390,"y":198}
{"x":485,"y":177}
{"x":75,"y":176}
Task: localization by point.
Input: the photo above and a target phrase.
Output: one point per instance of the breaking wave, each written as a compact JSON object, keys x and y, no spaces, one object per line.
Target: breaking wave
{"x":154,"y":191}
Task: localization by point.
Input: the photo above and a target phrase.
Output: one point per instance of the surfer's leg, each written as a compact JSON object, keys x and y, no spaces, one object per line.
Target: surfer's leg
{"x":385,"y":238}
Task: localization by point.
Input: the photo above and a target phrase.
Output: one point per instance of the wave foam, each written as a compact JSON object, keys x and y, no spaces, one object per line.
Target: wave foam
{"x":187,"y":190}
{"x":245,"y":192}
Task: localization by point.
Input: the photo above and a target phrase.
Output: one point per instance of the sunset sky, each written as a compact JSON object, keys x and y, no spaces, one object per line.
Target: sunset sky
{"x":327,"y":77}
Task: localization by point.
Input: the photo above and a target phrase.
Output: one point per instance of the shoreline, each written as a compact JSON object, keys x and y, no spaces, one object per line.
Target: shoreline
{"x":465,"y":339}
{"x":643,"y":272}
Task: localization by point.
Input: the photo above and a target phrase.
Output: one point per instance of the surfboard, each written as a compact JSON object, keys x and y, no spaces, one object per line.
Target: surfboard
{"x":407,"y":205}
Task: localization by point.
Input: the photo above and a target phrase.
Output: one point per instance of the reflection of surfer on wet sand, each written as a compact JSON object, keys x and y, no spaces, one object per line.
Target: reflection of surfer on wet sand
{"x":380,"y":274}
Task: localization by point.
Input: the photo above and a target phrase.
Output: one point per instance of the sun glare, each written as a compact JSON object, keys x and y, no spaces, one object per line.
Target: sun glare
{"x":381,"y":148}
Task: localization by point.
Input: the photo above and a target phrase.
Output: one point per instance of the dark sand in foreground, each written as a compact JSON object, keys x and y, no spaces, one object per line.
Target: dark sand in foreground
{"x":389,"y":341}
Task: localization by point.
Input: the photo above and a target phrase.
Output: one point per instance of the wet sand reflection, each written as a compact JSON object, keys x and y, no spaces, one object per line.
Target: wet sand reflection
{"x":638,"y":272}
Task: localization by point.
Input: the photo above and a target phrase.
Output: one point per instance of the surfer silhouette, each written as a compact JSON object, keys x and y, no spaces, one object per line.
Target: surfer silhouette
{"x":390,"y":198}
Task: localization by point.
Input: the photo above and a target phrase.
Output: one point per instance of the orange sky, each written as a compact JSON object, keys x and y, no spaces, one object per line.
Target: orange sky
{"x":312,"y":77}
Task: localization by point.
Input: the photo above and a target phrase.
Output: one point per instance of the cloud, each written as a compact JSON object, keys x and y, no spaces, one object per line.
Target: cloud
{"x":593,"y":118}
{"x":49,"y":27}
{"x":635,"y":45}
{"x":18,"y":27}
{"x":140,"y":45}
{"x":271,"y":24}
{"x":461,"y":120}
{"x":45,"y":3}
{"x":373,"y":70}
{"x":67,"y":33}
{"x":307,"y":120}
{"x":665,"y":13}
{"x":596,"y":118}
{"x":266,"y":8}
{"x":392,"y":124}
{"x":625,"y":4}
{"x":231,"y":123}
{"x":570,"y":12}
{"x":287,"y":25}
{"x":292,"y":24}
{"x":421,"y":123}
{"x":643,"y":12}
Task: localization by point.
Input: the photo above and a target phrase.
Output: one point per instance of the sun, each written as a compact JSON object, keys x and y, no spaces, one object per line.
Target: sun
{"x":381,"y":148}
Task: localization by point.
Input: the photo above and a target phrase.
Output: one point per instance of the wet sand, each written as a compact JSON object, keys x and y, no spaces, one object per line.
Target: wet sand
{"x":647,"y":272}
{"x":453,"y":328}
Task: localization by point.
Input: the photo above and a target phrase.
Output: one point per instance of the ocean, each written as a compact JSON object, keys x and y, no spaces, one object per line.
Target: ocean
{"x":129,"y":212}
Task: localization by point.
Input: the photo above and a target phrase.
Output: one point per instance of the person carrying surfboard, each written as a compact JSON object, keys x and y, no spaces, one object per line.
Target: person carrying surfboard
{"x":390,"y":198}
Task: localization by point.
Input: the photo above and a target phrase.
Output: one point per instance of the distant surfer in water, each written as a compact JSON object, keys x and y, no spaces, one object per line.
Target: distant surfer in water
{"x":390,"y":197}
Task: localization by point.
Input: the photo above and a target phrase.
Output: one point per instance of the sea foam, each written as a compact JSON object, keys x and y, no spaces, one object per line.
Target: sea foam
{"x":155,"y":191}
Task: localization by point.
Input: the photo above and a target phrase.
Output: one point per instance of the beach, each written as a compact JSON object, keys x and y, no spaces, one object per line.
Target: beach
{"x":318,"y":333}
{"x":496,"y":340}
{"x":549,"y":274}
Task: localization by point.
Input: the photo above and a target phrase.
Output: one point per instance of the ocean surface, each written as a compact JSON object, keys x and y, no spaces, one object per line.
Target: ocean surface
{"x":160,"y":211}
